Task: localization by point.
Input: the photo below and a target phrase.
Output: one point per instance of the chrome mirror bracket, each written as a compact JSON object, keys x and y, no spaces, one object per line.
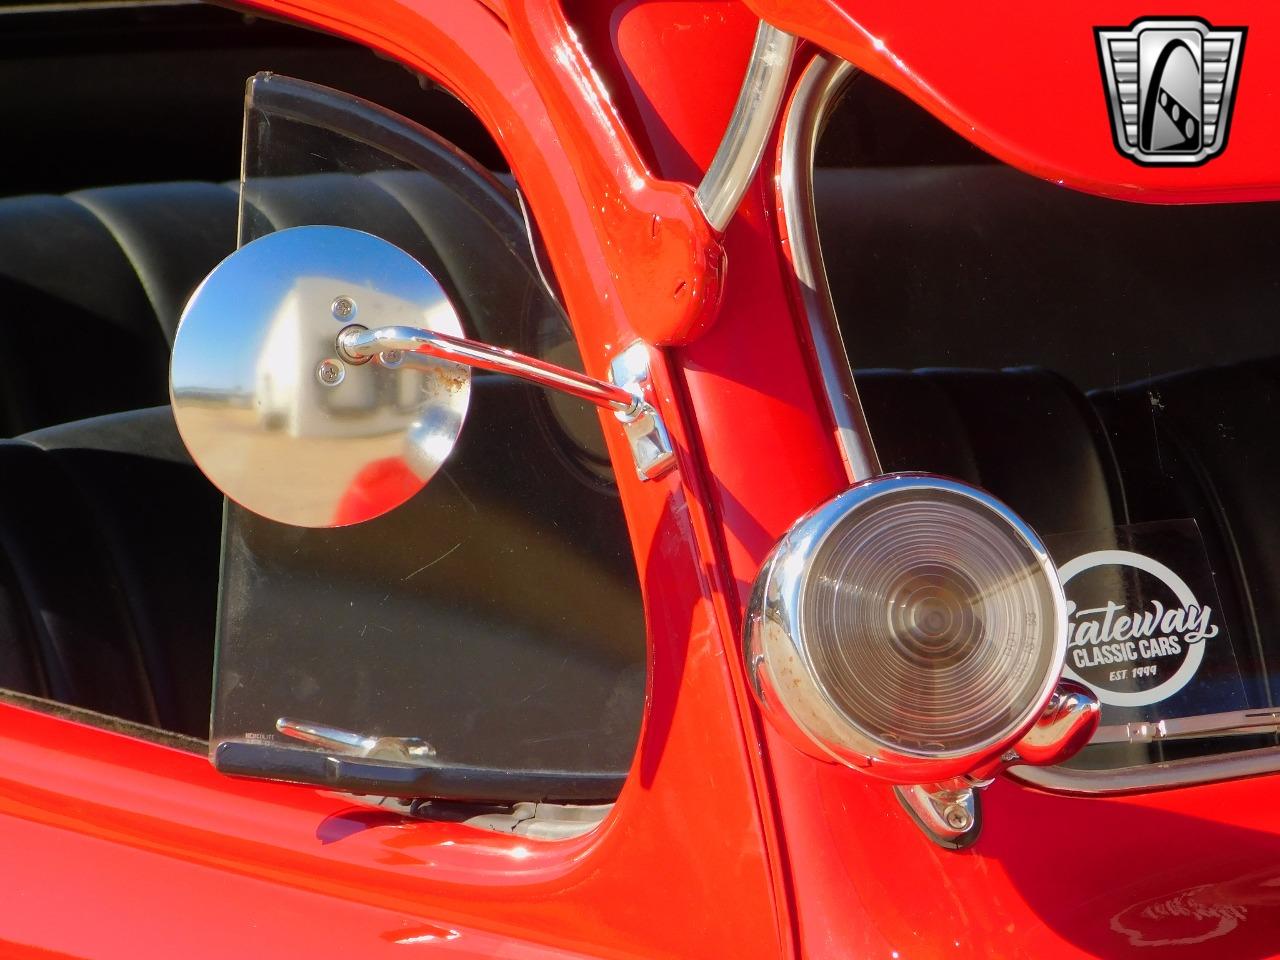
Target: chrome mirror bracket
{"x":866,"y":643}
{"x":950,"y":813}
{"x":1067,"y":723}
{"x":651,"y":447}
{"x":625,"y":393}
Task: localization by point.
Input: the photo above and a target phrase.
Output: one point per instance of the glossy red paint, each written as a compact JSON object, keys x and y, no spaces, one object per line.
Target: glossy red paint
{"x":636,"y":42}
{"x":1192,"y":872}
{"x":380,"y":486}
{"x":1021,"y":80}
{"x":664,"y":259}
{"x":726,"y":841}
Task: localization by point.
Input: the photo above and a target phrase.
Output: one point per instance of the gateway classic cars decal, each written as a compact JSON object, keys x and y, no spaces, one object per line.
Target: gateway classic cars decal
{"x":1145,"y":631}
{"x":1110,"y":645}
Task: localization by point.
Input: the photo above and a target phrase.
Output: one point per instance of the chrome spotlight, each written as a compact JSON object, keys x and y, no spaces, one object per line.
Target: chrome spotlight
{"x":914,"y":628}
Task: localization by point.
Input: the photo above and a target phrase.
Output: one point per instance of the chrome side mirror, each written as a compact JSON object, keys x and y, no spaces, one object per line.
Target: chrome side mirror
{"x":320,"y":378}
{"x":914,"y":628}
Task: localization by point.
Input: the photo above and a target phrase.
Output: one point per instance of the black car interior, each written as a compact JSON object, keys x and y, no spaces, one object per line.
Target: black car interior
{"x":120,"y":198}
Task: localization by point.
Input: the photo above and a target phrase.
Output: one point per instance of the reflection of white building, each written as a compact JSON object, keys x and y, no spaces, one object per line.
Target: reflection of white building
{"x":370,"y":400}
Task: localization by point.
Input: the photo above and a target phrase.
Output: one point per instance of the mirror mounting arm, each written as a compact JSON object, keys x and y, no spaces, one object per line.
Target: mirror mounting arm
{"x":357,"y":344}
{"x":647,"y":434}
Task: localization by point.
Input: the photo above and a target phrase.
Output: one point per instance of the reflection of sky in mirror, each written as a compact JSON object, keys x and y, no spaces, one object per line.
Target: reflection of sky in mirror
{"x":257,"y":418}
{"x":218,"y":347}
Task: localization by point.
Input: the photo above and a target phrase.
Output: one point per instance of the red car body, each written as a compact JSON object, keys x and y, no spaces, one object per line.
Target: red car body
{"x":726,"y":841}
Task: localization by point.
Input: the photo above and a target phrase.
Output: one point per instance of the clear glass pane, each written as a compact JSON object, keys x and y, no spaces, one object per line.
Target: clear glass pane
{"x":497,"y":614}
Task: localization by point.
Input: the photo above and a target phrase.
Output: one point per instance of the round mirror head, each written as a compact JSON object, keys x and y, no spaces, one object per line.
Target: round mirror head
{"x":271,"y":412}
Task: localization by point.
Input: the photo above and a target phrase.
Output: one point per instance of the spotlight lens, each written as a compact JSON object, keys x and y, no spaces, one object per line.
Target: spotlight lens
{"x":929,"y":620}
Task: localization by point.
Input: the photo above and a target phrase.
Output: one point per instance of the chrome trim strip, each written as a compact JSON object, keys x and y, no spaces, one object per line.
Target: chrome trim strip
{"x":750,"y":124}
{"x":1155,"y":776}
{"x":822,"y":82}
{"x":1230,"y":723}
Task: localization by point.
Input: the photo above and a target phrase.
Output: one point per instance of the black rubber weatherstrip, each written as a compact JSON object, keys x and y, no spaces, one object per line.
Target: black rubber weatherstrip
{"x":391,"y":778}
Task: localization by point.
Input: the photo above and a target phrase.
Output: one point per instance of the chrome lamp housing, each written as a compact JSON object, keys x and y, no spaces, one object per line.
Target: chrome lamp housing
{"x":914,"y":628}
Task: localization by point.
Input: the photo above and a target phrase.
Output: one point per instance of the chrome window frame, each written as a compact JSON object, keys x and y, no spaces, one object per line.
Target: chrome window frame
{"x":821,"y":84}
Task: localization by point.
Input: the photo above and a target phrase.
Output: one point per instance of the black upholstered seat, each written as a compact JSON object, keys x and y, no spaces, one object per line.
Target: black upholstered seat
{"x":108,"y":570}
{"x":982,"y":266}
{"x":108,"y":533}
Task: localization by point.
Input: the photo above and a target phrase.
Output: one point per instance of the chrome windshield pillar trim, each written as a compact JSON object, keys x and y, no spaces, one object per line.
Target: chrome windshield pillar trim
{"x":750,"y":124}
{"x":822,"y":82}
